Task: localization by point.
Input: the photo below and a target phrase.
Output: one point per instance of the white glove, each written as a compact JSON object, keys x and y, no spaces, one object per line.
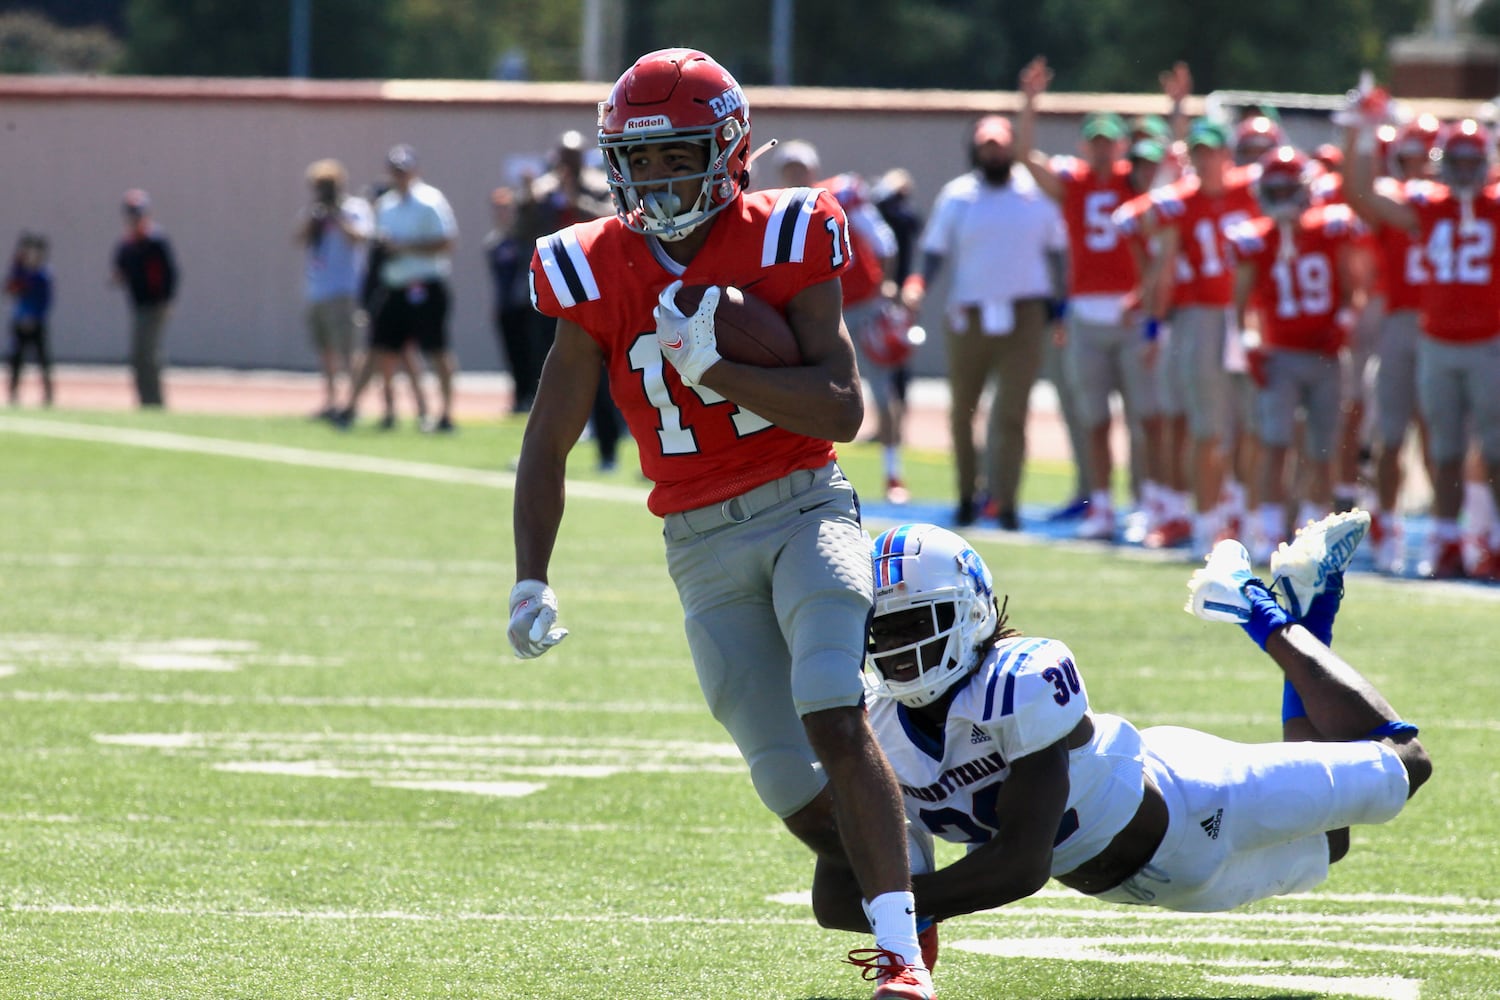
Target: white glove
{"x":533,"y":619}
{"x":688,"y":342}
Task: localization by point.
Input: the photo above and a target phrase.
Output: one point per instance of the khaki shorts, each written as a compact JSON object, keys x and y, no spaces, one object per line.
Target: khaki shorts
{"x":334,"y":324}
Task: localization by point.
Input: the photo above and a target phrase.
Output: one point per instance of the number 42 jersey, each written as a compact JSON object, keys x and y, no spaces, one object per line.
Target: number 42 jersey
{"x":695,"y":446}
{"x":1026,"y":695}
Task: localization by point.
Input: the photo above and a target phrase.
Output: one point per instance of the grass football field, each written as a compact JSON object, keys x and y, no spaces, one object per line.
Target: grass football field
{"x":261,"y":736}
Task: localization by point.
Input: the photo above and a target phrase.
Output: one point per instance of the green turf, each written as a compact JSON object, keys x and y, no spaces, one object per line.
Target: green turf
{"x":228,"y":686}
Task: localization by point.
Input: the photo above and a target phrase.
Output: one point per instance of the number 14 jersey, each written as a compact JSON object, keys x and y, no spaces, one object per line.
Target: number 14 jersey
{"x":695,"y":446}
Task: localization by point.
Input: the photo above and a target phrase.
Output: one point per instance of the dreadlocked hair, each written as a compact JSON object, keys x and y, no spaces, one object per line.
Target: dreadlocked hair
{"x":1002,"y":628}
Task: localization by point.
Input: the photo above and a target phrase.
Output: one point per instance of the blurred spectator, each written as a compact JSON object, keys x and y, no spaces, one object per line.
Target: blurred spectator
{"x":1007,"y":245}
{"x":507,"y":259}
{"x":145,"y":267}
{"x":415,"y":228}
{"x":334,"y":230}
{"x":873,"y":246}
{"x":29,"y":284}
{"x":409,"y":362}
{"x":569,"y":192}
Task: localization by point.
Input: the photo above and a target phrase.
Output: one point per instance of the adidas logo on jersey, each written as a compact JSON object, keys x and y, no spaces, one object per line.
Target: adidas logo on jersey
{"x":978,"y":736}
{"x":1211,"y":825}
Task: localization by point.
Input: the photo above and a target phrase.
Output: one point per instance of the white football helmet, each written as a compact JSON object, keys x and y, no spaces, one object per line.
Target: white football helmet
{"x":922,"y":566}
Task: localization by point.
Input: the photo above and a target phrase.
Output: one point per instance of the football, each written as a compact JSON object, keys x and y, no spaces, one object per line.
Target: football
{"x":749,"y":330}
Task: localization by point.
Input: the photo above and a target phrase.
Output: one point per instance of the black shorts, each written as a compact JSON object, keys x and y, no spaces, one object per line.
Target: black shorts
{"x":416,"y":313}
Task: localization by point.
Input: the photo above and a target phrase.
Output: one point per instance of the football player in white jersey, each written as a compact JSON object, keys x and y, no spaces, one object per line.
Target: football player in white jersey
{"x":995,"y":745}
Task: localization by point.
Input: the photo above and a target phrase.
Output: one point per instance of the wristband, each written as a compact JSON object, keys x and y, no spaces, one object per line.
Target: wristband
{"x":1152,"y":329}
{"x":1057,"y":310}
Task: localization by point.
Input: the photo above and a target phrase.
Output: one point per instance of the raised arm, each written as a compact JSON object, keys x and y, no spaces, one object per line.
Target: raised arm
{"x":1034,"y":79}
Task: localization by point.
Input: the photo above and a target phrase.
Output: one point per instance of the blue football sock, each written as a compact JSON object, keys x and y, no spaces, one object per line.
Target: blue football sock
{"x":1394,"y":728}
{"x":1266,"y":616}
{"x":1321,"y":612}
{"x":1291,"y":703}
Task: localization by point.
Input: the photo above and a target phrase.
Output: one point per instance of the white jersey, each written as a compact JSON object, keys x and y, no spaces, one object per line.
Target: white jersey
{"x":1025,"y":696}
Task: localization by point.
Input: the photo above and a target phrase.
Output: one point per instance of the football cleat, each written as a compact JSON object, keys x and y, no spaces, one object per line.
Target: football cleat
{"x":1098,"y":525}
{"x":896,"y":492}
{"x":1169,"y":534}
{"x":895,"y":980}
{"x":1444,"y":562}
{"x":1300,"y":569}
{"x":1216,"y":592}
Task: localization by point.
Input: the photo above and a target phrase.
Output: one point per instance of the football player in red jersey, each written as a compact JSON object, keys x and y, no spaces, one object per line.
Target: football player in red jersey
{"x":1299,"y":263}
{"x":1454,"y":220}
{"x":762,"y":530}
{"x":1104,"y":351}
{"x":1190,"y":283}
{"x":866,"y":296}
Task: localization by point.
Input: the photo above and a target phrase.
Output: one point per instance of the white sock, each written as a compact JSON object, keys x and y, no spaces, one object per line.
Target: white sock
{"x":894,"y":921}
{"x":1099,"y":501}
{"x":892,"y":462}
{"x":1479,"y":509}
{"x":1272,"y":523}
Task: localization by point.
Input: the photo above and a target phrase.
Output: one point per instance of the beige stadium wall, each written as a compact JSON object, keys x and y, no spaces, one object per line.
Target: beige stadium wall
{"x":223,"y":161}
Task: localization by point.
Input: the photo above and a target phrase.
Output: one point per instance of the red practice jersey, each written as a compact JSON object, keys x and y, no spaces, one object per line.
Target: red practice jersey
{"x":1099,"y":257}
{"x":1204,"y":271}
{"x":695,"y":446}
{"x":866,"y":273}
{"x":1401,"y":272}
{"x":1461,"y":300}
{"x":1298,"y":288}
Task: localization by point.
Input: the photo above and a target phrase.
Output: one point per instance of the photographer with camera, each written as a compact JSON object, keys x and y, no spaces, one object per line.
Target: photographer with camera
{"x":335,"y":231}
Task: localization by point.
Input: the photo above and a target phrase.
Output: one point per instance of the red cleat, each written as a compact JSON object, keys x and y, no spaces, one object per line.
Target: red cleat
{"x":1170,"y":534}
{"x":895,"y":980}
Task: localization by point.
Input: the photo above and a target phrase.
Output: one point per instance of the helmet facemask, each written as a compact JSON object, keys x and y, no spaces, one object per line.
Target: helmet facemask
{"x":934,"y":614}
{"x":671,"y":208}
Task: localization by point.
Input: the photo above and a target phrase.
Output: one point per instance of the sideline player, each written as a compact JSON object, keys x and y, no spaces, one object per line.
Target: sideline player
{"x":996,"y":746}
{"x":1296,"y":263}
{"x":762,"y":529}
{"x":1455,"y":221}
{"x":1104,"y":351}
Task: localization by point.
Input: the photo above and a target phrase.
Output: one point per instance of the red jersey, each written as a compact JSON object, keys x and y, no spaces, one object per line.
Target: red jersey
{"x":1401,"y":271}
{"x":1099,"y":257}
{"x":1298,"y":287}
{"x":863,"y":278}
{"x":695,"y":446}
{"x":1204,"y":271}
{"x":1461,"y":301}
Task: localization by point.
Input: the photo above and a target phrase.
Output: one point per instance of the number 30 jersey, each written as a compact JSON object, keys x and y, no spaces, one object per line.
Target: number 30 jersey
{"x":695,"y":446}
{"x":1026,"y":695}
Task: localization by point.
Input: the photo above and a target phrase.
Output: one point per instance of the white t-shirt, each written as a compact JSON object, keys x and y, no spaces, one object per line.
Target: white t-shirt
{"x":995,"y":240}
{"x":422,"y":214}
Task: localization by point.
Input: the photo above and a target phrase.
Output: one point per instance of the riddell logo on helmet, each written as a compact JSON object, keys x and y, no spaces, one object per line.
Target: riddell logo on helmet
{"x":731,"y":100}
{"x":648,"y":122}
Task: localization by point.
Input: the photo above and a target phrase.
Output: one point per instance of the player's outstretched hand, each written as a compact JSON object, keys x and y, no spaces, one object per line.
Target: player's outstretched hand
{"x":533,"y":619}
{"x":687,"y":342}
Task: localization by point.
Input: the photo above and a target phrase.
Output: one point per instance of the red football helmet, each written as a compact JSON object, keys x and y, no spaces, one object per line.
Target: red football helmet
{"x":1465,"y":162}
{"x":1410,"y":152}
{"x":675,"y":95}
{"x":890,"y":339}
{"x":1255,"y":137}
{"x":1282,"y":187}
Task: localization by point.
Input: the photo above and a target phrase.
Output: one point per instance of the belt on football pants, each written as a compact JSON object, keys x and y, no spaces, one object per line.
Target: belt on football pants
{"x":739,"y":509}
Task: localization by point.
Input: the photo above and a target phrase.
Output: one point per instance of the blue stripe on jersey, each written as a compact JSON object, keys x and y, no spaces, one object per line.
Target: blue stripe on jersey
{"x":890,"y":547}
{"x":922,"y":741}
{"x":1010,"y":661}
